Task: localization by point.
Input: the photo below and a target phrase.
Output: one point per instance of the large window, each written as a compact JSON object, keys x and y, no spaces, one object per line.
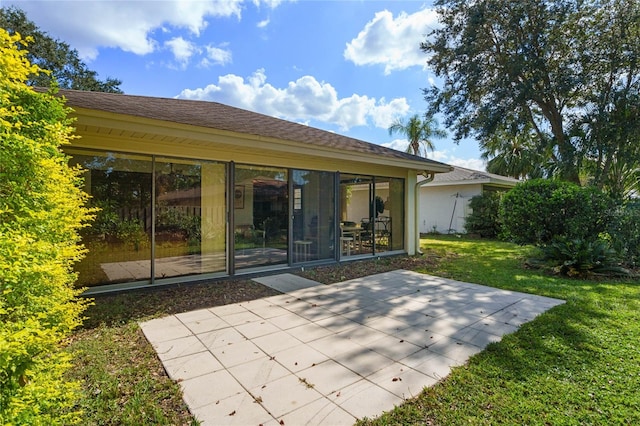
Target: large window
{"x":119,"y":239}
{"x":177,"y":230}
{"x":160,"y":217}
{"x":261,"y":216}
{"x":371,"y":214}
{"x":313,"y":215}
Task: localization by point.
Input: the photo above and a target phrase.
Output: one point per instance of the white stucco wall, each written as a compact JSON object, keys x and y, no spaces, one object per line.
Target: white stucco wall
{"x":444,"y":208}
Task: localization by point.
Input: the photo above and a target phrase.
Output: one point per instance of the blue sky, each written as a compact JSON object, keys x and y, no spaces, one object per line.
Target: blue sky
{"x":349,"y":67}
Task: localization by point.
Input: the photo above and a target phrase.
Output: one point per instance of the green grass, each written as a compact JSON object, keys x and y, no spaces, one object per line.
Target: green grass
{"x":579,"y":363}
{"x":123,"y":381}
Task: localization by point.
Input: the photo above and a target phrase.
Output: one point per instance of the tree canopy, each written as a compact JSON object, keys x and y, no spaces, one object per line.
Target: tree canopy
{"x":563,"y":75}
{"x":419,"y":132}
{"x":54,"y":55}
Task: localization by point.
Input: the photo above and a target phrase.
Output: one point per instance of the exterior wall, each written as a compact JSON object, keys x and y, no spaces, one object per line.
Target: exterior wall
{"x":443,"y":209}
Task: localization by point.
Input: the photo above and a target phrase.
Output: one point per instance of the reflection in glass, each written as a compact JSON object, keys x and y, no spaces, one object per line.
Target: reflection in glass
{"x":371,"y":214}
{"x":119,"y":239}
{"x":261,"y":216}
{"x":190,"y":218}
{"x":313,"y":215}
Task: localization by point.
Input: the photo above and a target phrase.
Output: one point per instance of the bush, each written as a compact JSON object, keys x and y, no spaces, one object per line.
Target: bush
{"x":624,"y":233}
{"x":41,"y":211}
{"x":540,"y":211}
{"x":581,"y":258}
{"x":484,"y":218}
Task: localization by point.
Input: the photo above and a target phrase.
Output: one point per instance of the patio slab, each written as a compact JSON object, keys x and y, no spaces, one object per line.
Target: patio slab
{"x":331,"y":354}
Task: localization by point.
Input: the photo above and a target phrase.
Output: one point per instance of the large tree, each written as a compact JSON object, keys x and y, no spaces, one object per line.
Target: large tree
{"x":537,"y":66}
{"x":56,"y":56}
{"x":419,"y":133}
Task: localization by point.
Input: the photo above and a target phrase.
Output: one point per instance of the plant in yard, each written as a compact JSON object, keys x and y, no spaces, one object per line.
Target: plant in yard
{"x":624,"y":233}
{"x":484,"y":218}
{"x":41,"y":212}
{"x":541,"y":210}
{"x":582,"y":257}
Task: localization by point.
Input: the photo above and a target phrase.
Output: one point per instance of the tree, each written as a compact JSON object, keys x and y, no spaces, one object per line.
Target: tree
{"x":419,"y":133}
{"x":56,"y":56}
{"x":513,"y":155}
{"x":534,"y":66}
{"x":41,"y":212}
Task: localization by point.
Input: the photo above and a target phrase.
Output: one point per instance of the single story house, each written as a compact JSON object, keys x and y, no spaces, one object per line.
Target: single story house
{"x":444,"y":202}
{"x":192,"y":190}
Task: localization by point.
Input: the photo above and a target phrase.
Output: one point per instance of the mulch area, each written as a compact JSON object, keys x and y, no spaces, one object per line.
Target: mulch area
{"x":134,"y":305}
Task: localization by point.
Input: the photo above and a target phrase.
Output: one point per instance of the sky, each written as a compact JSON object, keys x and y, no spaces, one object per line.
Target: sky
{"x":347,"y":66}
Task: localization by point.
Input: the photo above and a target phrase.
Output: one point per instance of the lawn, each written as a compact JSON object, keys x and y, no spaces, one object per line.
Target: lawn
{"x":576,"y":364}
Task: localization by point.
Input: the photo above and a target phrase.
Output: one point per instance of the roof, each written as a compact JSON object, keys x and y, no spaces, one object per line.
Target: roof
{"x":218,"y":116}
{"x":463,"y":176}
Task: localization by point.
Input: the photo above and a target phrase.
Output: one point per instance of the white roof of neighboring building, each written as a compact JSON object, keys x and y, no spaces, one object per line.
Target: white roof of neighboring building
{"x":463,"y":176}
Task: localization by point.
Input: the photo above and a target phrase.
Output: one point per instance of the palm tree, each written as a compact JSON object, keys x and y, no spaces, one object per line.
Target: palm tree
{"x":419,"y":133}
{"x":514,"y":155}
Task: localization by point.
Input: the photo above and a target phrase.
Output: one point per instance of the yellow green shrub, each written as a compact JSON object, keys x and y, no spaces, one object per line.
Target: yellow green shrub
{"x":41,"y":211}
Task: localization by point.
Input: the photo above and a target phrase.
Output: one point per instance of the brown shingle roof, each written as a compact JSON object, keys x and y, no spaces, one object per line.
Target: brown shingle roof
{"x":223,"y":117}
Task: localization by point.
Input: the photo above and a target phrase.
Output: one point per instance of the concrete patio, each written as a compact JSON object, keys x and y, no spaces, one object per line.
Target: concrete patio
{"x":330,"y":354}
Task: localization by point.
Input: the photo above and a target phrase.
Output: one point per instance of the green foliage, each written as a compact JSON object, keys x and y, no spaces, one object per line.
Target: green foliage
{"x":562,"y":77}
{"x":41,"y":211}
{"x":484,"y":218}
{"x":56,"y":56}
{"x":539,"y":211}
{"x":419,"y":133}
{"x":582,"y":257}
{"x":624,"y":233}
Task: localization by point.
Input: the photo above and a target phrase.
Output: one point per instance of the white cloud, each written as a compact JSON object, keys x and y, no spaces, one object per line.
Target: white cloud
{"x":182,"y":50}
{"x":442,"y":156}
{"x":264,"y":23}
{"x":216,"y":55}
{"x":448,"y":158}
{"x":127,"y":25}
{"x":392,"y":42}
{"x":301,"y":100}
{"x":397,"y":144}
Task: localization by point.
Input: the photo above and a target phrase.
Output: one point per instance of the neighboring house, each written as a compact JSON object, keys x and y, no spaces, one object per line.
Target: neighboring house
{"x":191,"y":190}
{"x":444,"y":202}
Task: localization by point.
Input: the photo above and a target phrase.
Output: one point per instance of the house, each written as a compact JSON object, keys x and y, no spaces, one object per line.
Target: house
{"x":190,"y":190}
{"x":444,"y":202}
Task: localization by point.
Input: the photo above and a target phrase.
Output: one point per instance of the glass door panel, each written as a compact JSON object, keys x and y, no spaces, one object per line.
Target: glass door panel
{"x":190,"y":217}
{"x":389,"y":214}
{"x":261,"y":216}
{"x":356,"y":216}
{"x":119,"y":239}
{"x":313,"y":215}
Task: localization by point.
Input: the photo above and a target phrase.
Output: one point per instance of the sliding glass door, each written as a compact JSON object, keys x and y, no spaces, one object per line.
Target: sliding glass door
{"x":190,"y":220}
{"x":313,"y":215}
{"x":261,"y":216}
{"x":371,"y":214}
{"x":118,"y":241}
